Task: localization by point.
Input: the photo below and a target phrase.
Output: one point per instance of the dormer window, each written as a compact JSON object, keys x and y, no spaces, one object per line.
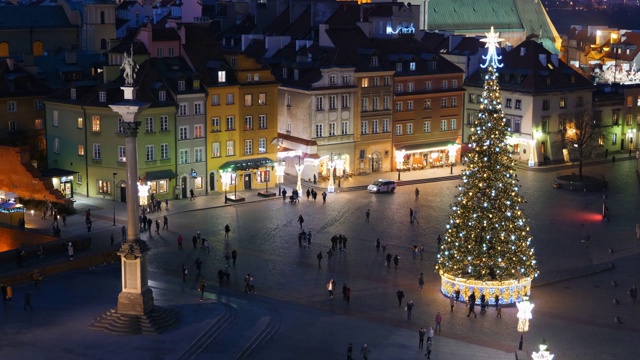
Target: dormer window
{"x":181,"y":85}
{"x":399,"y":66}
{"x":374,"y":61}
{"x":233,"y":60}
{"x":332,"y":79}
{"x":162,"y":95}
{"x":285,"y":73}
{"x":196,"y":84}
{"x":222,"y":76}
{"x":73,"y":94}
{"x":412,"y":66}
{"x":256,"y":77}
{"x":102,"y":96}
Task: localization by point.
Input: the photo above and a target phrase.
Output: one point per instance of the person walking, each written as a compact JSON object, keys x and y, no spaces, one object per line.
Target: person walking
{"x":207,"y":248}
{"x":227,"y":230}
{"x":396,"y":261}
{"x":472,"y":304}
{"x":452,"y":301}
{"x":123,"y":231}
{"x":421,"y":281}
{"x":70,"y":250}
{"x":367,"y":214}
{"x":365,"y":351}
{"x":344,"y":291}
{"x":324,"y":197}
{"x":388,"y":260}
{"x":309,"y":238}
{"x":409,"y":308}
{"x":284,"y":195}
{"x":349,"y":350}
{"x":300,"y":220}
{"x":198,"y":263}
{"x":421,"y":335}
{"x":438,"y":322}
{"x":308,"y":194}
{"x":378,"y":245}
{"x":411,"y":215}
{"x":157,"y":226}
{"x":201,"y":287}
{"x":193,"y":195}
{"x":185,"y":272}
{"x":247,"y":283}
{"x":496,"y":300}
{"x":431,"y":333}
{"x":483,"y":304}
{"x":166,"y":204}
{"x":234,"y":256}
{"x":428,"y":353}
{"x":400,"y":296}
{"x":331,"y":285}
{"x":165,"y":223}
{"x":319,"y":256}
{"x":348,"y":295}
{"x":179,"y":242}
{"x":417,"y":193}
{"x":633,"y":293}
{"x":421,"y":252}
{"x":27,"y":301}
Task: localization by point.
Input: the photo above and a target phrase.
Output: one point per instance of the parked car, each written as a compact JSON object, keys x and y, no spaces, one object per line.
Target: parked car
{"x":380,"y":186}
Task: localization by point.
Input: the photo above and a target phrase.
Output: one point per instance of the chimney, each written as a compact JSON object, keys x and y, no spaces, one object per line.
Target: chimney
{"x":543,"y":59}
{"x":523,"y":51}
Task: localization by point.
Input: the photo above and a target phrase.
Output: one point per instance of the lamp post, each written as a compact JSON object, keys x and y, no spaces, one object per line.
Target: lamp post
{"x":524,"y":315}
{"x":543,"y":354}
{"x":399,"y":161}
{"x":114,"y":198}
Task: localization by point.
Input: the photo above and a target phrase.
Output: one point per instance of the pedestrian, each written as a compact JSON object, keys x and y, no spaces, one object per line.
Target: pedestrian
{"x":400,"y":296}
{"x":396,"y":261}
{"x":431,"y":333}
{"x":227,"y":230}
{"x":411,"y":215}
{"x":472,"y":303}
{"x":350,"y":347}
{"x":428,"y":353}
{"x":499,"y":312}
{"x":365,"y":351}
{"x":247,"y":285}
{"x":324,"y":197}
{"x":308,"y":194}
{"x":165,"y":223}
{"x":284,"y":195}
{"x":27,"y":301}
{"x":483,"y":304}
{"x":203,"y":285}
{"x":123,"y":231}
{"x":388,"y":260}
{"x":88,"y":222}
{"x":378,"y":245}
{"x":315,"y":181}
{"x":314,"y":195}
{"x":227,"y":258}
{"x":496,"y":299}
{"x":613,"y":160}
{"x":166,"y":204}
{"x":417,"y":193}
{"x":309,"y":238}
{"x":421,"y":281}
{"x":252,"y":287}
{"x":64,"y":219}
{"x":452,"y":301}
{"x":111,"y":239}
{"x":348,"y":294}
{"x":185,"y":272}
{"x":149,"y":222}
{"x":319,"y":256}
{"x":384,"y":248}
{"x":367,"y":214}
{"x":409,"y":308}
{"x":344,"y":243}
{"x":157,"y":226}
{"x":421,"y":333}
{"x":198,"y":263}
{"x":179,"y":242}
{"x":202,"y":243}
{"x":344,"y":291}
{"x":438,"y":322}
{"x":193,"y":195}
{"x":330,"y":287}
{"x":234,"y":256}
{"x":300,"y":220}
{"x":421,"y":252}
{"x":70,"y":250}
{"x":633,"y":293}
{"x":207,"y":247}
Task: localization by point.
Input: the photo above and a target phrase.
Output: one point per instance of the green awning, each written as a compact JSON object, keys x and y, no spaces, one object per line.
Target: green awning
{"x":413,"y":148}
{"x":160,"y":174}
{"x":239,"y":165}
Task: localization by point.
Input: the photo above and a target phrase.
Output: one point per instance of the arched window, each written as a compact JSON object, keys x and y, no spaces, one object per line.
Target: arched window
{"x":103,"y":44}
{"x":101,"y":17}
{"x":4,"y":49}
{"x":38,"y":48}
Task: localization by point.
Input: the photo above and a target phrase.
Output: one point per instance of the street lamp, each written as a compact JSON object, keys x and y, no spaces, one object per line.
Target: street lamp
{"x":114,"y":198}
{"x":543,"y":354}
{"x":399,"y":161}
{"x":524,"y":315}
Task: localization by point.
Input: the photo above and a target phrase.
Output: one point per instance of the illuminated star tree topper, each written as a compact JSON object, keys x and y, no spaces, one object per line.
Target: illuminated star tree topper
{"x":492,"y":57}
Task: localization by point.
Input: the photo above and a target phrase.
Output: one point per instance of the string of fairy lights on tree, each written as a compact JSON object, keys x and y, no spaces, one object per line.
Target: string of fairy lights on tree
{"x":487,"y":236}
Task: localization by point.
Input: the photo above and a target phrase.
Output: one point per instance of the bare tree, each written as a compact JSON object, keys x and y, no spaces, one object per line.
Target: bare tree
{"x":582,"y":133}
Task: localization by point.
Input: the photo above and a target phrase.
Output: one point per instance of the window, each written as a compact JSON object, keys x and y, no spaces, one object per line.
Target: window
{"x":614,"y":139}
{"x":222,"y":76}
{"x":516,"y":125}
{"x":148,"y":124}
{"x":262,"y":99}
{"x":164,"y":151}
{"x":376,"y":81}
{"x":102,"y":96}
{"x":80,"y":123}
{"x":248,"y":123}
{"x":4,"y":49}
{"x":345,"y":127}
{"x":629,"y":101}
{"x":38,"y":124}
{"x":215,"y":149}
{"x":288,"y":127}
{"x":399,"y":88}
{"x":387,"y":81}
{"x":38,"y":105}
{"x":629,"y":120}
{"x":443,"y":125}
{"x":97,"y":154}
{"x":229,"y":99}
{"x":545,"y":105}
{"x":120,"y":126}
{"x":73,"y":94}
{"x":332,"y":80}
{"x":256,"y":77}
{"x":183,"y":133}
{"x":159,"y":52}
{"x":399,"y":66}
{"x":56,"y":145}
{"x":374,"y":61}
{"x":365,"y":104}
{"x":233,"y":61}
{"x":79,"y":179}
{"x":181,"y":85}
{"x":333,"y":102}
{"x":385,"y":103}
{"x":230,"y":123}
{"x":454,"y":84}
{"x":319,"y":103}
{"x":198,"y":154}
{"x":80,"y":150}
{"x":164,"y":123}
{"x":385,"y":125}
{"x":262,"y":121}
{"x":453,"y":124}
{"x":579,"y":101}
{"x":638,"y":101}
{"x":196,"y":84}
{"x":184,"y":156}
{"x":409,"y":105}
{"x":198,"y":131}
{"x":364,"y":127}
{"x":426,"y":126}
{"x":409,"y":129}
{"x":544,"y":125}
{"x":285,"y":73}
{"x":197,"y":108}
{"x":412,"y":66}
{"x":427,"y":104}
{"x":399,"y":106}
{"x":95,"y":124}
{"x":104,"y":186}
{"x":427,"y":86}
{"x":332,"y":129}
{"x":215,"y":124}
{"x":398,"y":129}
{"x":444,"y":84}
{"x":215,"y":100}
{"x":319,"y":129}
{"x":601,"y":139}
{"x":376,"y":105}
{"x":171,"y":52}
{"x":287,"y":101}
{"x":296,"y":74}
{"x":248,"y":100}
{"x":13,"y":126}
{"x":563,"y":103}
{"x":454,"y":102}
{"x":55,"y":118}
{"x":230,"y":148}
{"x":507,"y":124}
{"x":248,"y":147}
{"x":409,"y":87}
{"x":183,"y":109}
{"x":365,"y":82}
{"x":508,"y":103}
{"x":345,"y":101}
{"x":122,"y":153}
{"x":615,"y":116}
{"x":518,"y":104}
{"x":443,"y":103}
{"x":262,"y":145}
{"x":162,"y":95}
{"x":374,"y":127}
{"x":472,"y":98}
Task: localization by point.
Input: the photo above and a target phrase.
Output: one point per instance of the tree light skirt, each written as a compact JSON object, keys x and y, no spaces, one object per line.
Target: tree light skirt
{"x":510,"y":291}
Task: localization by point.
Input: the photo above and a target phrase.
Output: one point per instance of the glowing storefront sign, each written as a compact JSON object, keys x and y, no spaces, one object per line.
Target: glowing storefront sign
{"x":401,"y":30}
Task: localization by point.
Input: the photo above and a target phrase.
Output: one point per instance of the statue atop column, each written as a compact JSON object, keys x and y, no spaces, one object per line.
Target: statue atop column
{"x":130,"y":68}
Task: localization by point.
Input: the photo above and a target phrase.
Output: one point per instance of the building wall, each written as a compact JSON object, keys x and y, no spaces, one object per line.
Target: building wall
{"x":184,"y":170}
{"x":24,"y":179}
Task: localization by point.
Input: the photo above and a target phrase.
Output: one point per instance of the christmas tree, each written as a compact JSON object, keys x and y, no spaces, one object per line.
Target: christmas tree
{"x":487,"y":236}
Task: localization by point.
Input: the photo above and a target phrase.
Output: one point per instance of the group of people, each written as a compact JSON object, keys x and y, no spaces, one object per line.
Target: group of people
{"x":295,"y":195}
{"x":455,"y":296}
